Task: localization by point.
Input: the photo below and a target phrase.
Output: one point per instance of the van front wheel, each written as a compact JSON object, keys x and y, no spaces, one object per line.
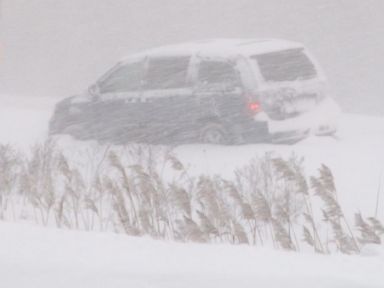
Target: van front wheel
{"x":214,"y":133}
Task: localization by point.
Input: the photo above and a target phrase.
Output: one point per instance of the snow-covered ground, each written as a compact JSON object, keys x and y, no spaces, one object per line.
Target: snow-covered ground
{"x":37,"y":257}
{"x":356,"y":159}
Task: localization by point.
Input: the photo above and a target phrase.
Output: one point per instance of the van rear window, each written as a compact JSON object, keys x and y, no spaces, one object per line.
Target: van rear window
{"x":287,"y":65}
{"x":167,"y":73}
{"x":217,"y":72}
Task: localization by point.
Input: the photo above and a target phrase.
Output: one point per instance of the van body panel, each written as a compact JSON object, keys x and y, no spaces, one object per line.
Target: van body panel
{"x":168,"y":94}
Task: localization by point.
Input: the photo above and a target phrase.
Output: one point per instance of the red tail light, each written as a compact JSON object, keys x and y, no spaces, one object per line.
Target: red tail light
{"x":254,"y":107}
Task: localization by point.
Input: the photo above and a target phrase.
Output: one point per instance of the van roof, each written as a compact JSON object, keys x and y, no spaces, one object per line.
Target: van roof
{"x":220,"y":48}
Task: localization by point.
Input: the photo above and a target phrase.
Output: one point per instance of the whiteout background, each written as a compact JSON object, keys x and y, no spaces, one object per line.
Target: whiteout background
{"x":57,"y":48}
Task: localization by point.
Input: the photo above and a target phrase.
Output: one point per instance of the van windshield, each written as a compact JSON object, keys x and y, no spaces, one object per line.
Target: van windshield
{"x":122,"y":78}
{"x":287,"y":65}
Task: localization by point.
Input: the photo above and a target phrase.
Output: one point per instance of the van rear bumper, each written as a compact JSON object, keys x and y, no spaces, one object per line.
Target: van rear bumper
{"x":321,"y":120}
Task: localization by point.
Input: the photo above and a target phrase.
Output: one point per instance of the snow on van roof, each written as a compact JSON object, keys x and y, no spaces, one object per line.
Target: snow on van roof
{"x":220,"y":47}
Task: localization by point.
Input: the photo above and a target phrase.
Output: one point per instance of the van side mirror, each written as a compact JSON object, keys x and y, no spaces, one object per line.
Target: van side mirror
{"x":94,"y":89}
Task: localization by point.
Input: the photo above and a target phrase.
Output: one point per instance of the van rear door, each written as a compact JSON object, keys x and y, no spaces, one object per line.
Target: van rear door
{"x":291,"y":84}
{"x":219,"y":90}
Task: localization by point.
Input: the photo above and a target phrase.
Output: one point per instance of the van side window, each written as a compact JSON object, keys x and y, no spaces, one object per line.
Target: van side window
{"x":167,"y":73}
{"x":217,"y":72}
{"x":124,"y":78}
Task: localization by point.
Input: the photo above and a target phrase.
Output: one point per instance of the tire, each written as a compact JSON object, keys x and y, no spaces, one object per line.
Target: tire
{"x":214,"y":133}
{"x":74,"y":130}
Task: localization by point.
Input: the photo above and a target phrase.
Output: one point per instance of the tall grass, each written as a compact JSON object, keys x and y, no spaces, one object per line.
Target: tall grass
{"x":138,"y":191}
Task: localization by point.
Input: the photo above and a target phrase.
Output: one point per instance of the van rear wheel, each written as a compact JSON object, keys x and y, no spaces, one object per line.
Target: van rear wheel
{"x":214,"y":133}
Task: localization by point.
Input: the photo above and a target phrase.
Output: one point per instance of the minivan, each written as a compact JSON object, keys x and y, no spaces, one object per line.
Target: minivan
{"x":220,"y":91}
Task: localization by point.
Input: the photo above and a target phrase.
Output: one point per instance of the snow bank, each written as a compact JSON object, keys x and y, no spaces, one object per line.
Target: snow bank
{"x":23,"y":120}
{"x":38,"y":257}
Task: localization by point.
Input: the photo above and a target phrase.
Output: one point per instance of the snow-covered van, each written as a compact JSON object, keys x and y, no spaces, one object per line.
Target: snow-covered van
{"x":216,"y":91}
